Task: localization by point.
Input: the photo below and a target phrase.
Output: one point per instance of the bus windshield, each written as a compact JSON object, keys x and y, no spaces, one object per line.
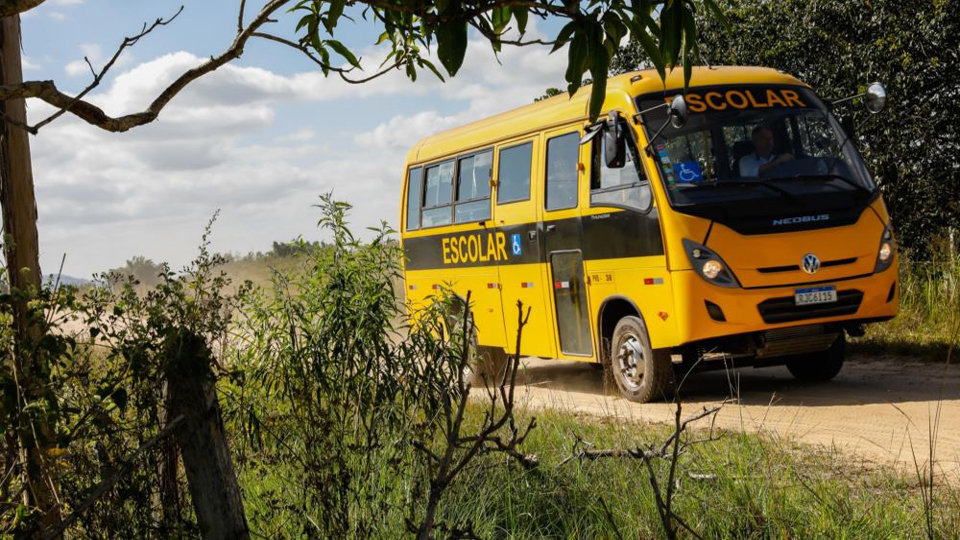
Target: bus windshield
{"x":754,"y":141}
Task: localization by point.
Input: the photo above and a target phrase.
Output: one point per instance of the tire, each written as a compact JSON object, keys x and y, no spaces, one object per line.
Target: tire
{"x":629,"y":350}
{"x":486,"y":366}
{"x":819,"y":366}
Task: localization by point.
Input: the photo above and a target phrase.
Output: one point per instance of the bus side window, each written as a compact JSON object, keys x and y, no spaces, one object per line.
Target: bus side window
{"x":413,"y":198}
{"x":562,"y":173}
{"x":514,"y":173}
{"x":473,"y":188}
{"x":627,"y":186}
{"x":438,"y":195}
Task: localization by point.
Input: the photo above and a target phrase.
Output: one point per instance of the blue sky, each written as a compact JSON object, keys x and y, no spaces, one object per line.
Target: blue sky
{"x":259,"y":139}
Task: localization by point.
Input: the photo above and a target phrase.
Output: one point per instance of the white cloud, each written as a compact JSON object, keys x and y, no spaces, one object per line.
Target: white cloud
{"x":29,"y":64}
{"x":105,"y":197}
{"x":94,"y":53}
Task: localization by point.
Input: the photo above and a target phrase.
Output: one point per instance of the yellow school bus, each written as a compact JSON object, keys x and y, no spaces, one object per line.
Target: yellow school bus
{"x":727,"y":225}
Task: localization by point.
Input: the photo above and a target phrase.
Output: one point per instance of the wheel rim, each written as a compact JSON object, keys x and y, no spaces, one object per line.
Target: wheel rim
{"x":631,"y":360}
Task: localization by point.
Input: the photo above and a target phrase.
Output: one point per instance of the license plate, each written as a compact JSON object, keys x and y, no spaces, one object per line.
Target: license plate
{"x":819,"y":295}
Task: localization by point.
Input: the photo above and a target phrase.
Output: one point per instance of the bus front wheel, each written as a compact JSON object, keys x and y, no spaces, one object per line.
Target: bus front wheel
{"x":821,"y":366}
{"x":641,"y":373}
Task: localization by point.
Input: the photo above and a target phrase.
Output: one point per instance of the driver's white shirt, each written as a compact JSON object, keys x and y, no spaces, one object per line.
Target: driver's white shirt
{"x":750,"y":164}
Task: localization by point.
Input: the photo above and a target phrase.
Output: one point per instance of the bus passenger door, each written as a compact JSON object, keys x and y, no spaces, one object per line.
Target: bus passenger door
{"x":561,"y":235}
{"x":515,"y":216}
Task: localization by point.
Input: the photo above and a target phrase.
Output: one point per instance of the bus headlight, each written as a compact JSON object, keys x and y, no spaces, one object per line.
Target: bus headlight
{"x":711,"y":269}
{"x":885,"y":252}
{"x":887,"y":247}
{"x":709,"y":265}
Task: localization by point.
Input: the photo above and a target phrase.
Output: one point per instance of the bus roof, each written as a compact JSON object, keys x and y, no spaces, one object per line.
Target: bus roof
{"x":560,"y":109}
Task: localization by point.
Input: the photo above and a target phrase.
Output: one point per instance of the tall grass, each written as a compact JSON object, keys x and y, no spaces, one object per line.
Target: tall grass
{"x":929,"y":315}
{"x":739,"y":486}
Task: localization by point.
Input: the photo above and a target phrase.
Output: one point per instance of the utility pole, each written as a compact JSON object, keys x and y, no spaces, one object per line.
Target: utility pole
{"x":22,"y":252}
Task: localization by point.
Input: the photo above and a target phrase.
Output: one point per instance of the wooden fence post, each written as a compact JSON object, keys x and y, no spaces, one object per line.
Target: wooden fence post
{"x":202,"y":439}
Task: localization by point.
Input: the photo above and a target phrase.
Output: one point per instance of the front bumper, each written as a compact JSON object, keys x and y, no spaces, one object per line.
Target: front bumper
{"x":753,"y":310}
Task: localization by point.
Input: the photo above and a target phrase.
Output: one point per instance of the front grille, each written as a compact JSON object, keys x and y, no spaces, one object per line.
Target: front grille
{"x":795,"y":340}
{"x":783,"y":309}
{"x":795,"y":267}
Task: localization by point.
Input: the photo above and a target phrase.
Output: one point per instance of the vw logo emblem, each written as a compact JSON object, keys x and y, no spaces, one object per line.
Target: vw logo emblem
{"x":810,"y":263}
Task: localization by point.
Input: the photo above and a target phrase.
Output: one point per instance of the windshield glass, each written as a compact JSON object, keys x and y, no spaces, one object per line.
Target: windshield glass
{"x":778,"y":141}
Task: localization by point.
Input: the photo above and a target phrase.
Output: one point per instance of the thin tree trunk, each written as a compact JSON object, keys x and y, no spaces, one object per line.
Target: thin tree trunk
{"x":22,"y":251}
{"x":203,"y":440}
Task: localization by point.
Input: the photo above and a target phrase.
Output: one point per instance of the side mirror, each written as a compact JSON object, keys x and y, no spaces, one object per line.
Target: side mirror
{"x":678,"y":112}
{"x":876,"y":97}
{"x":614,"y":143}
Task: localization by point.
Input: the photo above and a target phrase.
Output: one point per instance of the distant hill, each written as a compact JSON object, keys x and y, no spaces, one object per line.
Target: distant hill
{"x":67,"y":280}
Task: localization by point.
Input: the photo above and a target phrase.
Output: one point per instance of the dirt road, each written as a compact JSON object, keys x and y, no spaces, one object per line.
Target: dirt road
{"x":881,"y":409}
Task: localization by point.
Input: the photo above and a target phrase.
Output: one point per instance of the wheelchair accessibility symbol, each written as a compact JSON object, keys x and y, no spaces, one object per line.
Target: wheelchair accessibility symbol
{"x":515,"y":244}
{"x":688,"y":172}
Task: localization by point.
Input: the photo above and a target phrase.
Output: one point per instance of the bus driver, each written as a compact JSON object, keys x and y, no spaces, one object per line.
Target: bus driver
{"x":761,"y":159}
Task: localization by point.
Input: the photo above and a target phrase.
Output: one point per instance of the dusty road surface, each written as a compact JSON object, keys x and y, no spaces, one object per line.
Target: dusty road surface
{"x":878,"y":409}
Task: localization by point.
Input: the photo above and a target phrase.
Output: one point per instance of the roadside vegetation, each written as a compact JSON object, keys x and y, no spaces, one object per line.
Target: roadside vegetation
{"x":333,"y":428}
{"x":281,"y":404}
{"x":928,"y":324}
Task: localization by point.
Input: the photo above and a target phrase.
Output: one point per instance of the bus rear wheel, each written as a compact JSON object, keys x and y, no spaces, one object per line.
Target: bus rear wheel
{"x":641,"y":373}
{"x":487,"y":367}
{"x":820,"y":366}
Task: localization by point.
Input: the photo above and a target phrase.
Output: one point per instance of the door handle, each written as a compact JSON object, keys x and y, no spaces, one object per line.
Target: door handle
{"x":532,"y":234}
{"x":551,"y":227}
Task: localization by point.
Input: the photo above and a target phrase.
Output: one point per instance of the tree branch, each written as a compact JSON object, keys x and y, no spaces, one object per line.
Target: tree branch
{"x":98,"y":76}
{"x":16,"y":7}
{"x":47,"y":91}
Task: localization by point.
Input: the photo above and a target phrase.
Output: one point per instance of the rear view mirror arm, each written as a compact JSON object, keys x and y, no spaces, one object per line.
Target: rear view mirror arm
{"x":654,"y":138}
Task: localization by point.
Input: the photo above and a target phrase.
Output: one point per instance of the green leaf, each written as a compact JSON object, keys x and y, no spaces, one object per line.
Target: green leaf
{"x":325,"y":58}
{"x":670,"y":33}
{"x":520,"y":14}
{"x":576,"y":56}
{"x":500,"y":18}
{"x":423,"y":62}
{"x":719,"y":14}
{"x":333,"y":14}
{"x":598,"y":93}
{"x":383,"y":37}
{"x":344,"y":52}
{"x":564,"y":35}
{"x":689,"y":47}
{"x":653,"y":52}
{"x":452,"y":45}
{"x":305,"y":20}
{"x":614,"y":27}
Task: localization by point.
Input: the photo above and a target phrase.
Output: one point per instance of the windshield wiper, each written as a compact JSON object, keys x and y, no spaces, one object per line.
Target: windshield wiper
{"x":822,"y":177}
{"x":748,"y":183}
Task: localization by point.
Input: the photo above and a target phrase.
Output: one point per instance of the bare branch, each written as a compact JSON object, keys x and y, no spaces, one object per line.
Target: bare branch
{"x":380,"y":73}
{"x":47,"y":91}
{"x":243,"y":5}
{"x":89,"y":65}
{"x":98,"y":77}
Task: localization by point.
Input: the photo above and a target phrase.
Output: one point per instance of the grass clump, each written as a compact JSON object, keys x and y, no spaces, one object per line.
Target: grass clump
{"x":927,"y":323}
{"x":736,"y":486}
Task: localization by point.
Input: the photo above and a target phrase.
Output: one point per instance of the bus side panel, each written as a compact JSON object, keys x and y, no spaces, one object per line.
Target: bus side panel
{"x":479,"y":282}
{"x":646,"y":282}
{"x":523,"y":282}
